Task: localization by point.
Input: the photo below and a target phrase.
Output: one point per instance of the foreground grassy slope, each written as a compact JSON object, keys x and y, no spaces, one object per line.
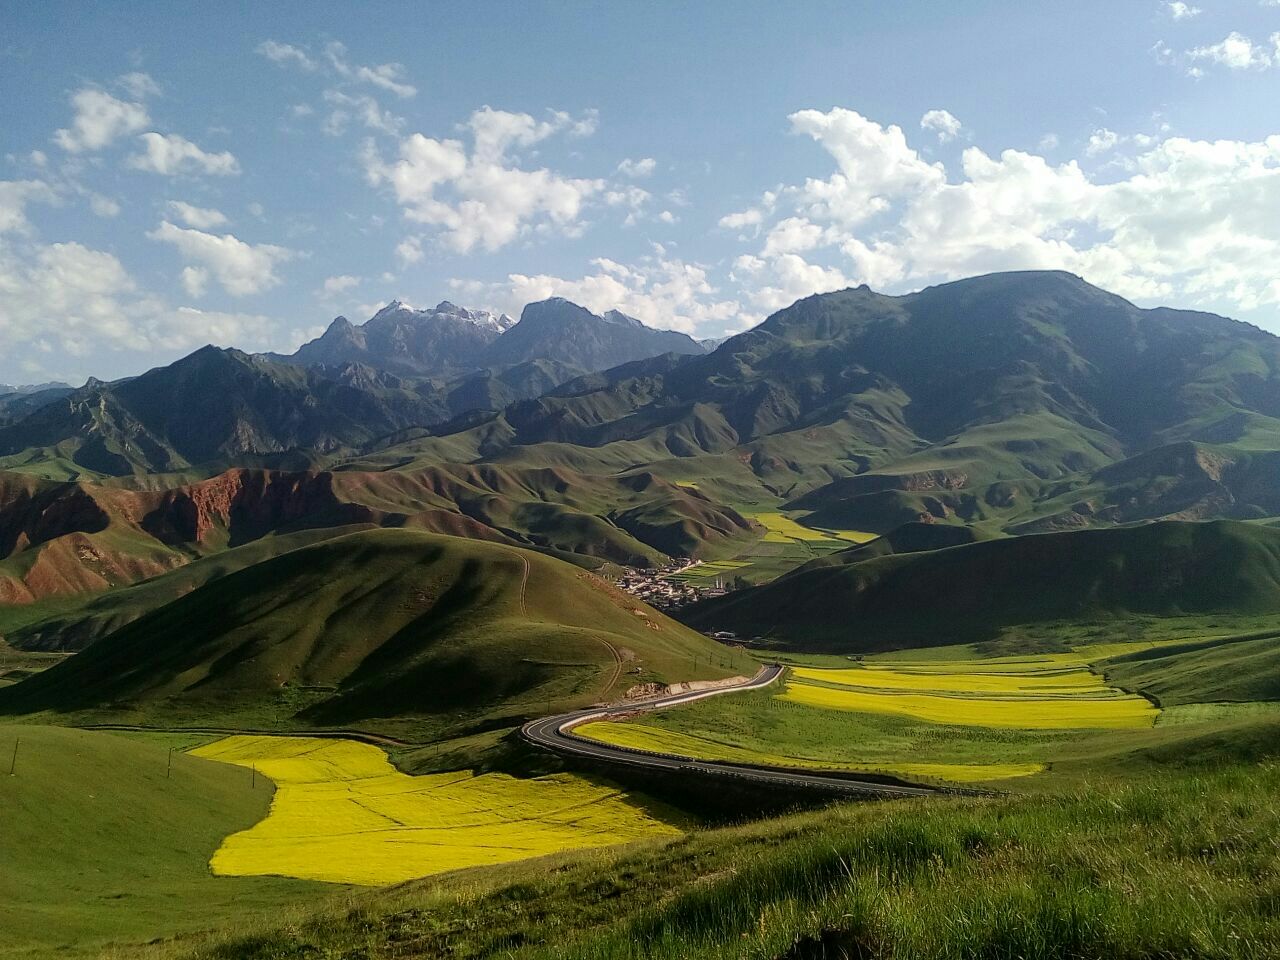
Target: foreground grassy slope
{"x":99,"y":845}
{"x":1180,"y":866}
{"x":973,"y":591}
{"x":388,"y":629}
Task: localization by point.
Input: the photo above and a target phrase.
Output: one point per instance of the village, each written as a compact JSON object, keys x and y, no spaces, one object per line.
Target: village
{"x":664,"y":588}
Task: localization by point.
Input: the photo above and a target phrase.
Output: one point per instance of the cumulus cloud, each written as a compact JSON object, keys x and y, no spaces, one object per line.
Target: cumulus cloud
{"x":340,"y":284}
{"x":99,"y":119}
{"x":202,"y":218}
{"x":1238,"y":52}
{"x":171,"y":154}
{"x":99,"y":308}
{"x":14,"y":197}
{"x":103,"y":206}
{"x":1101,"y":141}
{"x":1182,"y":11}
{"x":1188,"y":220}
{"x":479,"y":197}
{"x":409,"y":250}
{"x":941,"y":122}
{"x":241,"y":268}
{"x":637,"y":169}
{"x":660,"y":291}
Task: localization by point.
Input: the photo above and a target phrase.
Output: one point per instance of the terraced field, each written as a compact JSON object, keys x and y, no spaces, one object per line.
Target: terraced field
{"x":343,"y":814}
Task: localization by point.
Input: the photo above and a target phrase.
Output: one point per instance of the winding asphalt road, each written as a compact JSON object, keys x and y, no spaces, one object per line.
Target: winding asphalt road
{"x":556,"y":734}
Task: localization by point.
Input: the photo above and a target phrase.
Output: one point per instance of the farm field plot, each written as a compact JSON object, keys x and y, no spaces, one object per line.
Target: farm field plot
{"x":783,"y":528}
{"x":343,"y":814}
{"x":639,"y":736}
{"x":1026,"y":713}
{"x":710,"y":569}
{"x":933,"y":718}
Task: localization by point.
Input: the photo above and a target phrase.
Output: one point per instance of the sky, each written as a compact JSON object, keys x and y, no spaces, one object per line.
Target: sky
{"x":173,"y":175}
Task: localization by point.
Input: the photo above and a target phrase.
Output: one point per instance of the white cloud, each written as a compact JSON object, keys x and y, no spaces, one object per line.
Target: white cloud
{"x":479,"y":198}
{"x":100,"y":308}
{"x":241,"y":268}
{"x":202,"y":218}
{"x":1238,"y":52}
{"x":285,"y":53}
{"x":387,"y":76}
{"x":1188,"y":220}
{"x":99,"y":119}
{"x":14,"y":197}
{"x":1182,"y":11}
{"x":103,"y":206}
{"x":171,"y":154}
{"x":1048,"y":142}
{"x":340,"y":284}
{"x":409,"y":250}
{"x":637,"y":169}
{"x":941,"y":122}
{"x":1101,"y":141}
{"x":195,"y":280}
{"x":661,"y":292}
{"x":366,"y":108}
{"x":139,"y":85}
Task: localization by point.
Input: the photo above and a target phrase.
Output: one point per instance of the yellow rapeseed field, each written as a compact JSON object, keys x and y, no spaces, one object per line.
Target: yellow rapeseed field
{"x":1060,"y":682}
{"x":638,"y":736}
{"x":1028,"y":712}
{"x":783,"y":529}
{"x":342,"y":813}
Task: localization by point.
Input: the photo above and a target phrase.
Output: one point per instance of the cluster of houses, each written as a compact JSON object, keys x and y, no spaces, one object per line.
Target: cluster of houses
{"x":661,"y":588}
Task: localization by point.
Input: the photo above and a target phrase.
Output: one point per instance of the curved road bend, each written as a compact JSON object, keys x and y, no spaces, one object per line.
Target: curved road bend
{"x":555,"y":734}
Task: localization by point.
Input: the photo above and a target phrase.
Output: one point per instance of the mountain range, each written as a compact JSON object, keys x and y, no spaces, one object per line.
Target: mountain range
{"x":1012,"y":403}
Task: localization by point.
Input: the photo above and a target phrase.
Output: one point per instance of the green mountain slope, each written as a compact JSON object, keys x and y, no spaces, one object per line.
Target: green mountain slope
{"x":107,"y":840}
{"x":970,"y":592}
{"x":376,"y":625}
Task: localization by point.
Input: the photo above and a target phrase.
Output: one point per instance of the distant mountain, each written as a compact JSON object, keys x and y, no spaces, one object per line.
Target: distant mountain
{"x":449,"y":340}
{"x":398,"y":338}
{"x":18,"y":402}
{"x":557,"y":329}
{"x":219,"y":405}
{"x":1031,"y":400}
{"x":34,"y":387}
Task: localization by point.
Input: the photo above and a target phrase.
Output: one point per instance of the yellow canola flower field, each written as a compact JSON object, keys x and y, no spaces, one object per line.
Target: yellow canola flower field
{"x":1058,"y":682}
{"x":342,"y":813}
{"x":1028,"y":712}
{"x":783,"y":529}
{"x":638,"y":736}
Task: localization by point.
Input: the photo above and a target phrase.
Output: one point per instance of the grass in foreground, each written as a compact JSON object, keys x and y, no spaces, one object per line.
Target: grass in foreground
{"x":343,"y":814}
{"x":101,"y":842}
{"x":1181,"y":866}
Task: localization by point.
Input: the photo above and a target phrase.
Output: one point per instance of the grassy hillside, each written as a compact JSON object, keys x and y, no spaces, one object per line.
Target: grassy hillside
{"x":1181,"y":866}
{"x":100,"y":845}
{"x":391,"y":629}
{"x":974,"y":591}
{"x":1232,"y":669}
{"x":72,"y":623}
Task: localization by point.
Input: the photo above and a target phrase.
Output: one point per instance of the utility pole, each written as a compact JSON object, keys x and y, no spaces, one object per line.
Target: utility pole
{"x":169,"y":769}
{"x":253,"y":776}
{"x":13,"y":764}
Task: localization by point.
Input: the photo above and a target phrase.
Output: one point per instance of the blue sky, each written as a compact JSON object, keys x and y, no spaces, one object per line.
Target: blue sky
{"x":175,"y":175}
